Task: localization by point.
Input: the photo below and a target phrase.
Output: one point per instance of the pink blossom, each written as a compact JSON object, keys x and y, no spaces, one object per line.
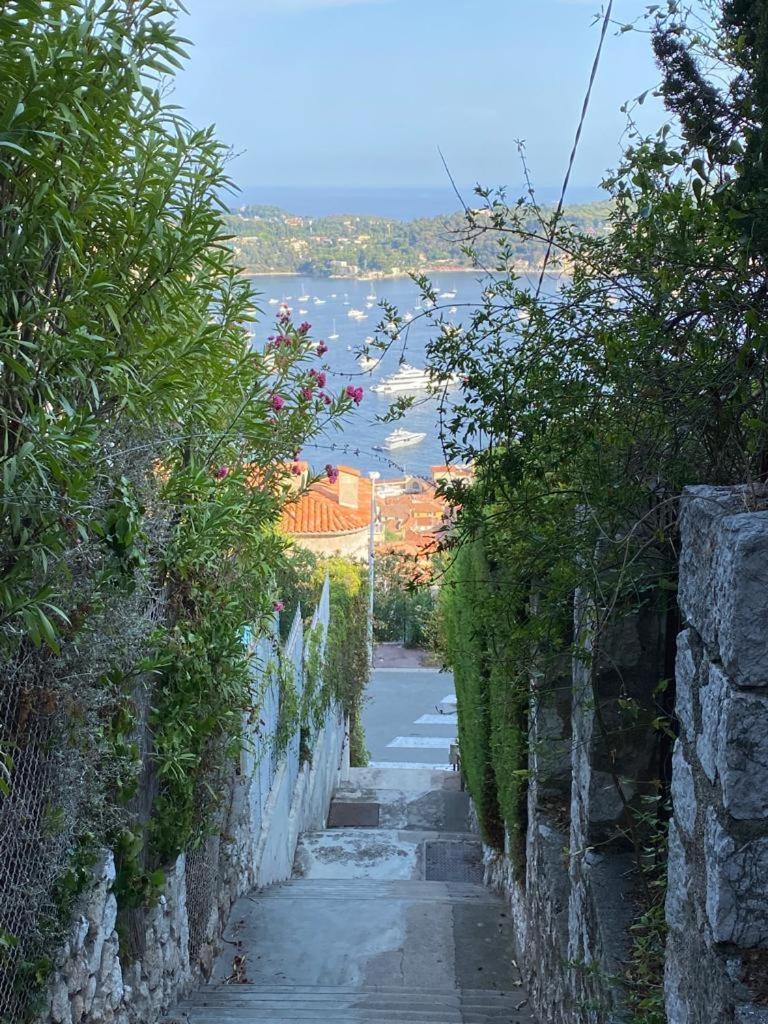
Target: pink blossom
{"x":221,"y":472}
{"x":284,"y":314}
{"x":296,"y":469}
{"x":326,"y":398}
{"x":332,"y":473}
{"x":278,"y":606}
{"x":305,"y":328}
{"x":277,"y":402}
{"x":319,"y":377}
{"x":306,"y":394}
{"x":322,"y":348}
{"x":356,"y":394}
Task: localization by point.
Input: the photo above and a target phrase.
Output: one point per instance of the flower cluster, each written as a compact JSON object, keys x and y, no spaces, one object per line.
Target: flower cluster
{"x":332,"y":473}
{"x":356,"y":394}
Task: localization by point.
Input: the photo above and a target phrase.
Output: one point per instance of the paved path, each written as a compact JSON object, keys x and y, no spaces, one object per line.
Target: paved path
{"x":385,"y":920}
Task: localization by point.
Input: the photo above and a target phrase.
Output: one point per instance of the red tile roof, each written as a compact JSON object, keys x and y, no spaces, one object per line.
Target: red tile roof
{"x":317,"y":510}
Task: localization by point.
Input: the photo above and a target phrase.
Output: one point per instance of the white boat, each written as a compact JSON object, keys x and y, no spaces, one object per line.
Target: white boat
{"x":368,"y":362}
{"x":356,"y":314}
{"x":453,"y":310}
{"x":369,"y":305}
{"x":408,"y":317}
{"x":409,"y":378}
{"x":303,"y":312}
{"x":334,"y":336}
{"x":273,"y":302}
{"x":319,"y":301}
{"x":305,"y":296}
{"x":372,"y":297}
{"x":448,"y":295}
{"x":400,"y":439}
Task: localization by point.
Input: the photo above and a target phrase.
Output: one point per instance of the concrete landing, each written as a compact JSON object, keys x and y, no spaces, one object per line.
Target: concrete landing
{"x":362,"y":934}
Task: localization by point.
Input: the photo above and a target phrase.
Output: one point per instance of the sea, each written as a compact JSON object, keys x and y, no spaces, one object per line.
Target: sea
{"x":327,"y":309}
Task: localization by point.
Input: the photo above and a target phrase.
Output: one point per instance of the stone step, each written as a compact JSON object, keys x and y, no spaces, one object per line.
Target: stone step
{"x":371,"y":889}
{"x":246,"y":1003}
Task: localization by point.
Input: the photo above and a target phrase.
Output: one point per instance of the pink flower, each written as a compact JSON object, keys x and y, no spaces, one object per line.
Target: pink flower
{"x":332,"y":473}
{"x":319,"y":377}
{"x":305,"y":328}
{"x":326,"y":398}
{"x":278,"y":606}
{"x":221,"y":472}
{"x":306,"y":394}
{"x":277,"y":402}
{"x":322,"y":348}
{"x":356,"y":394}
{"x":284,"y":314}
{"x":296,"y":469}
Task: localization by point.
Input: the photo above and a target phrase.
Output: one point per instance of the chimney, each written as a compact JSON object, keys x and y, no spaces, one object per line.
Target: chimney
{"x":349,"y":487}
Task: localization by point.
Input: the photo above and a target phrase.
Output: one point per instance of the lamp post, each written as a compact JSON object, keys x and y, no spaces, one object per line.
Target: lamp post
{"x":373,"y":477}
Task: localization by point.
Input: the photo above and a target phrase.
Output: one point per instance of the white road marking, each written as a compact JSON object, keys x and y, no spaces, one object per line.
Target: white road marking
{"x":446,"y":719}
{"x":424,"y":742}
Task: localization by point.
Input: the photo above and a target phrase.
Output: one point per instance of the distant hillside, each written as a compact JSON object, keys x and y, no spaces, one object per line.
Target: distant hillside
{"x":270,"y":240}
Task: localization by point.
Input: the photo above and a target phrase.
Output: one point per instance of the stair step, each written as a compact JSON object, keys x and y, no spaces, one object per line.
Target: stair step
{"x":361,"y":888}
{"x":249,"y":1016}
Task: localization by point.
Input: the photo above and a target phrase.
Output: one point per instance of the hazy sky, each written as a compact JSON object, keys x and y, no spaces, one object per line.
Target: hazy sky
{"x":362,"y":92}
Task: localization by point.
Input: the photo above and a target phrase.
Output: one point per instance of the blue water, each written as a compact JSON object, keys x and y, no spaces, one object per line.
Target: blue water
{"x":403,"y":203}
{"x":354,"y":444}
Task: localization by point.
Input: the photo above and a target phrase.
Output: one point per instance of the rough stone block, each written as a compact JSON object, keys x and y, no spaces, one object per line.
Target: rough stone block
{"x":742,"y":755}
{"x":686,"y":680}
{"x":742,"y":585}
{"x":737,"y":887}
{"x":751,"y":1014}
{"x":724,"y":578}
{"x":677,"y":907}
{"x":683,"y":791}
{"x":712,"y":698}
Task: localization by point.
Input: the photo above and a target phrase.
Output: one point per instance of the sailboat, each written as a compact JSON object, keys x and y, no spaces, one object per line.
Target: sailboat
{"x":305,"y":296}
{"x":334,"y":336}
{"x":373,"y":296}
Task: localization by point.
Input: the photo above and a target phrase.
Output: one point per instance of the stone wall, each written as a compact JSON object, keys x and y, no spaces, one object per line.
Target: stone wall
{"x":572,"y":891}
{"x":572,"y":882}
{"x":717,"y":904}
{"x":92,"y":984}
{"x":98,"y":977}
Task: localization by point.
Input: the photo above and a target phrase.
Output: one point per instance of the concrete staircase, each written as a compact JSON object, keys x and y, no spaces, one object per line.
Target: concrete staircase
{"x":384,"y":922}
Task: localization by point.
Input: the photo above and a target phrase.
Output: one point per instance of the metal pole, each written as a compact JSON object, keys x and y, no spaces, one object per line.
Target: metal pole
{"x":374,"y":476}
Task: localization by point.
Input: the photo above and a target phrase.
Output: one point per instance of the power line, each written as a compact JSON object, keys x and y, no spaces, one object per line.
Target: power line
{"x":577,"y":139}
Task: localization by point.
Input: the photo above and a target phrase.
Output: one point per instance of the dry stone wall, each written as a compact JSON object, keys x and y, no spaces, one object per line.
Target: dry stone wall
{"x":717,"y":904}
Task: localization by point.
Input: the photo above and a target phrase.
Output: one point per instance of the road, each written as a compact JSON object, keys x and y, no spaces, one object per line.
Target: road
{"x":410,"y":714}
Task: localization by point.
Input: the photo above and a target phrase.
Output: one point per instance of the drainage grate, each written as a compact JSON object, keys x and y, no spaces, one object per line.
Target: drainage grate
{"x":353,"y":814}
{"x":450,"y":861}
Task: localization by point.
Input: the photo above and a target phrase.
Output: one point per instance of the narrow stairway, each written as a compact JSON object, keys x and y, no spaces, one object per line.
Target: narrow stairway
{"x":385,"y":921}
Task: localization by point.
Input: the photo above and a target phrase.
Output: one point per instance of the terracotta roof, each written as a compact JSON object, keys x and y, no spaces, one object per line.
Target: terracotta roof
{"x":313,"y":512}
{"x":317,"y":510}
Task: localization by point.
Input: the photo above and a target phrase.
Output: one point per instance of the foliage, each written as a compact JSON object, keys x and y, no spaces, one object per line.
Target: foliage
{"x":267,"y":239}
{"x":587,"y":408}
{"x":404,"y":605}
{"x":347,"y":662}
{"x":144,"y":441}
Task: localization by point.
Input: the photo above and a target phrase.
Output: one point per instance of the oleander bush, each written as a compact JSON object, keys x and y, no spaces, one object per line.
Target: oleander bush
{"x":146,"y":427}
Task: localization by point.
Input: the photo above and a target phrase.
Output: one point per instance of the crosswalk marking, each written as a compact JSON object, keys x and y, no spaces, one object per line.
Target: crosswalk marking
{"x":446,"y":719}
{"x":437,"y":742}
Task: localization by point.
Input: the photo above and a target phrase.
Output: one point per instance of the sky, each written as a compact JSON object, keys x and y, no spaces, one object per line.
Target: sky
{"x":365,"y":92}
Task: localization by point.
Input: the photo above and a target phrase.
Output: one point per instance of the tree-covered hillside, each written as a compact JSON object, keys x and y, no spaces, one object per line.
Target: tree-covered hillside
{"x":269,"y":240}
